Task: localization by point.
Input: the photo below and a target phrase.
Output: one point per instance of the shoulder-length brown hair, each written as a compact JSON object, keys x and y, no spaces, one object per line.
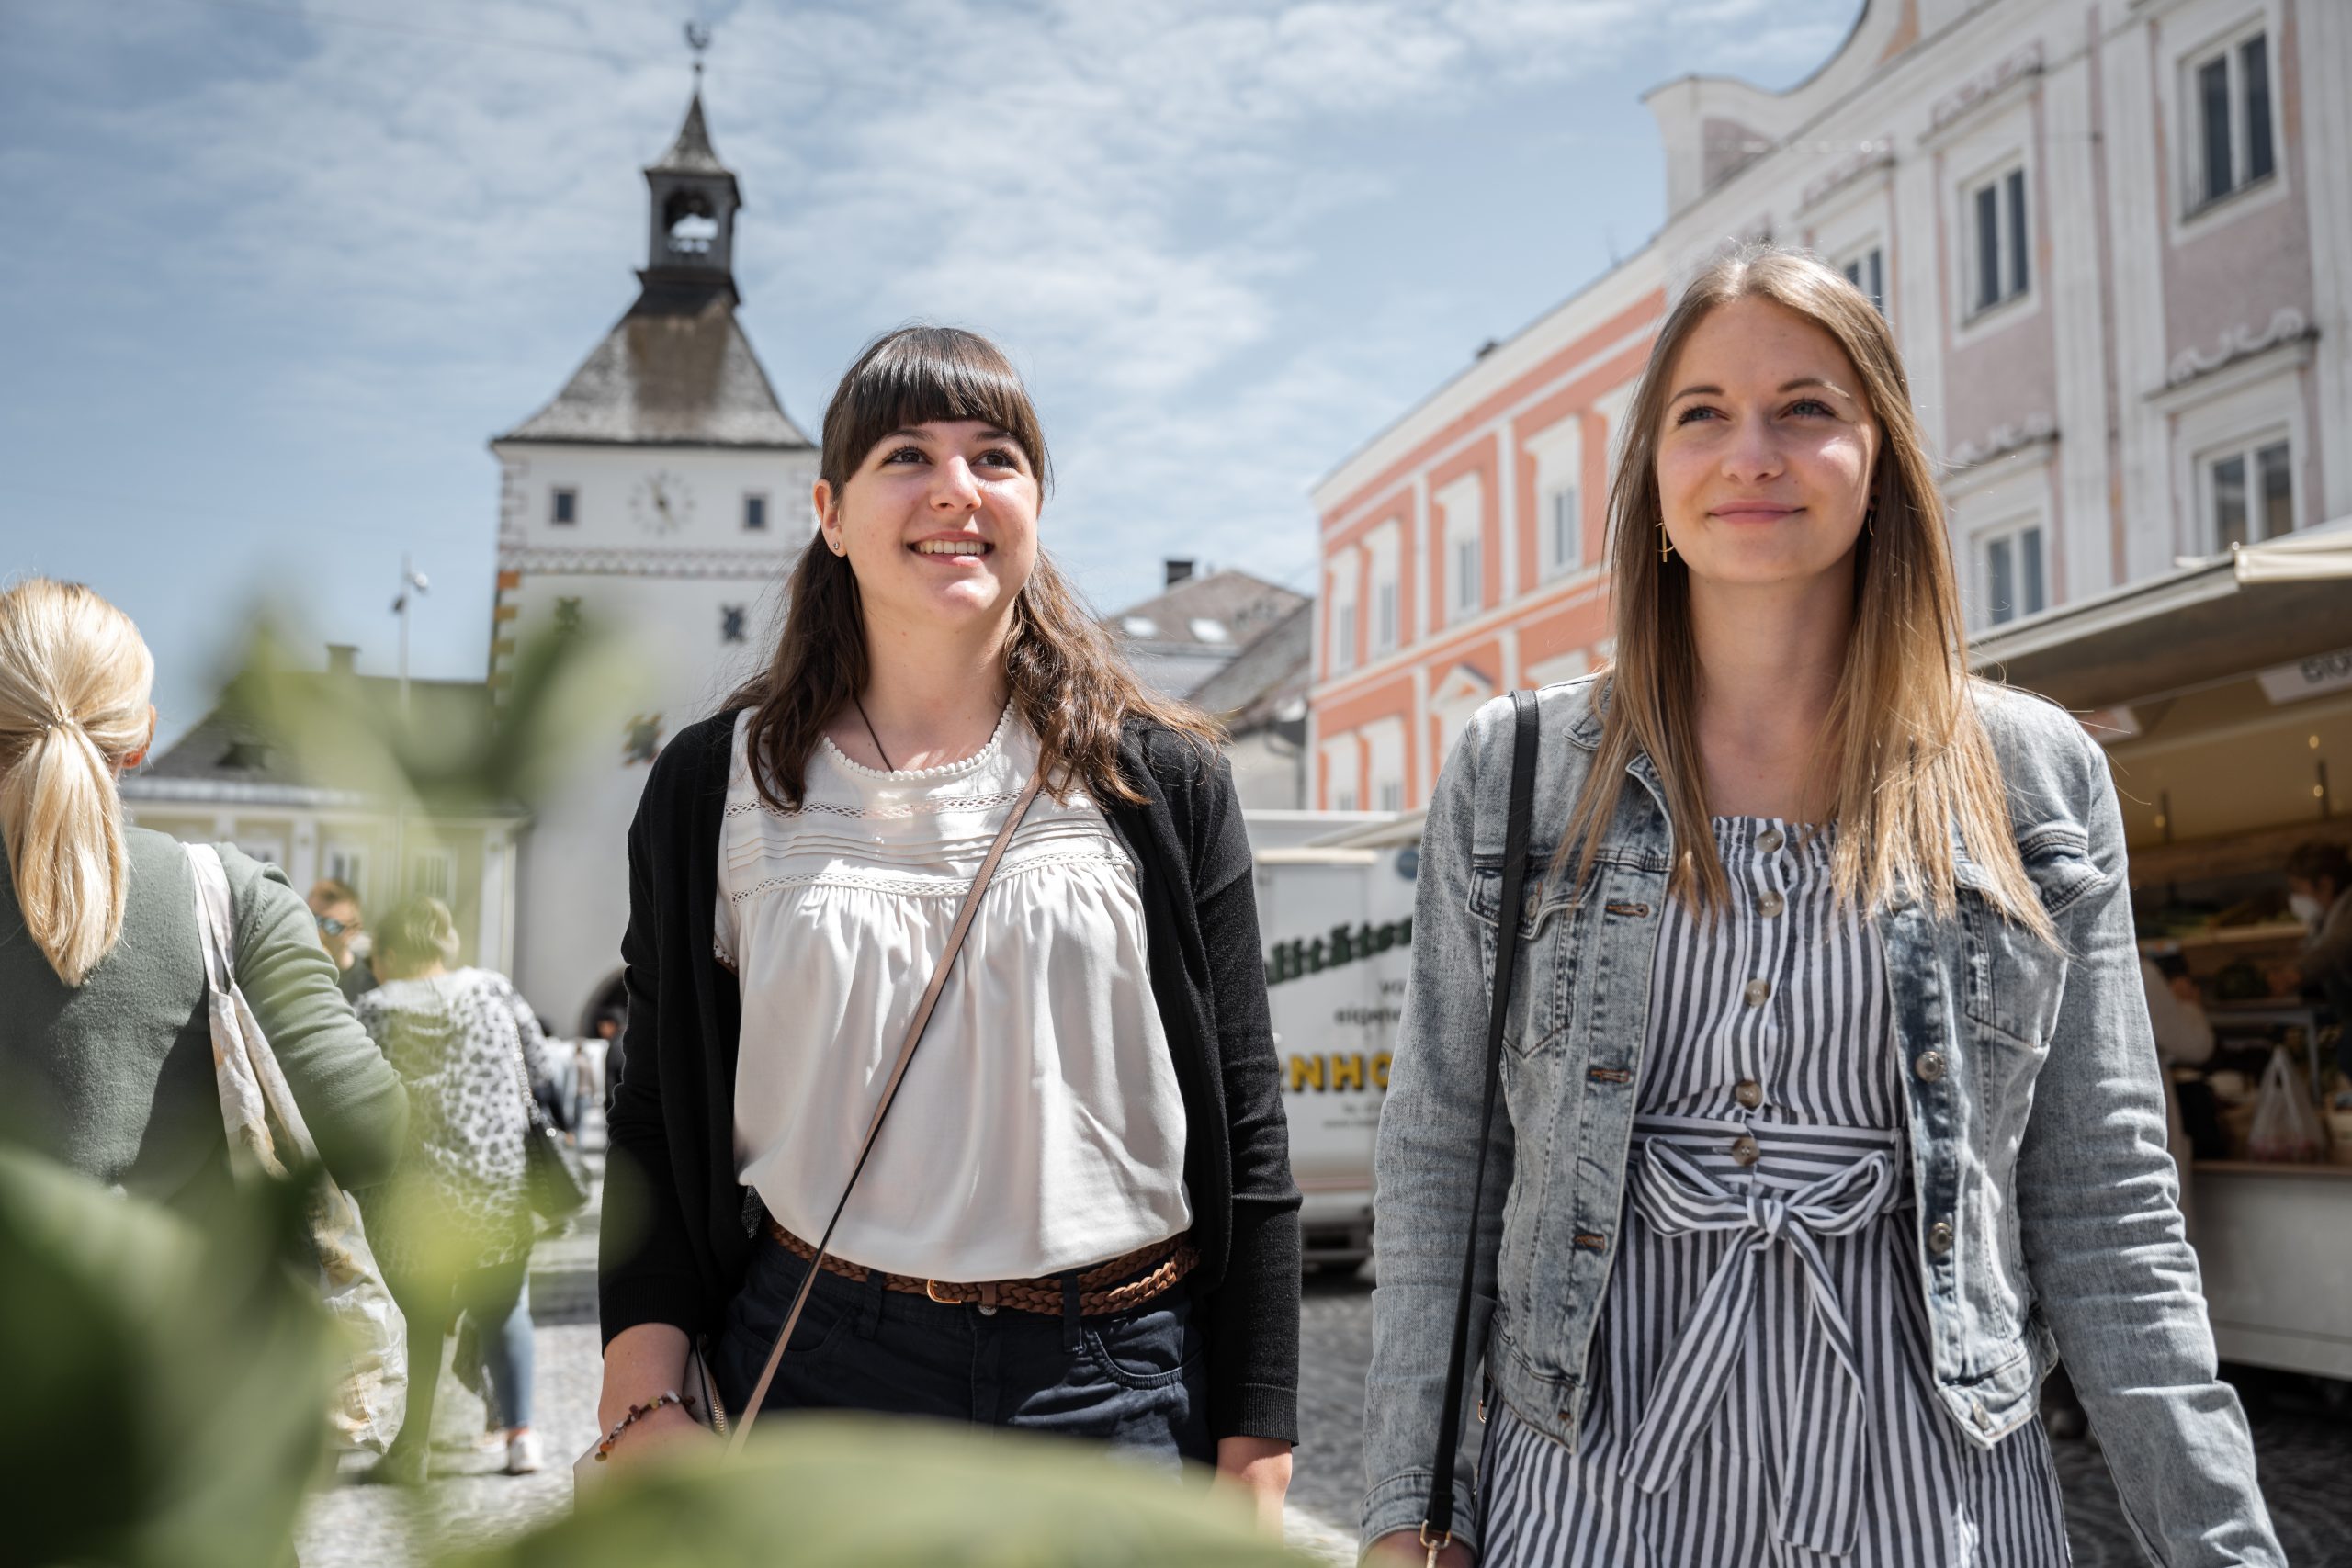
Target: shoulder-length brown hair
{"x":1903,"y":760}
{"x":1068,"y":680}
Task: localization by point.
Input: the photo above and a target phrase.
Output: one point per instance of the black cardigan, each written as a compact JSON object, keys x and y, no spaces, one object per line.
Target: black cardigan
{"x":677,"y":1224}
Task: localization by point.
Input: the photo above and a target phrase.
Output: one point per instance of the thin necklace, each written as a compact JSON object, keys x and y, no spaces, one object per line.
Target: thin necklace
{"x":887,"y":766}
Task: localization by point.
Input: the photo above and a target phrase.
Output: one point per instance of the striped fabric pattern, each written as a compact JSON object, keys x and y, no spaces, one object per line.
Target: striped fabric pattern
{"x":1760,"y":1387}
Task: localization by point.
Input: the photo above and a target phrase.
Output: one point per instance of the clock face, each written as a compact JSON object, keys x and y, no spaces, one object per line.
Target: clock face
{"x":661,"y":503}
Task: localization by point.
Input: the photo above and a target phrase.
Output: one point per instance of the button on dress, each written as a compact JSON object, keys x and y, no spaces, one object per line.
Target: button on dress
{"x":1760,"y":1376}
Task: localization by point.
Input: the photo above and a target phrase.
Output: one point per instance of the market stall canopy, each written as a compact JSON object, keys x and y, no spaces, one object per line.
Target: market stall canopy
{"x":2259,"y":605}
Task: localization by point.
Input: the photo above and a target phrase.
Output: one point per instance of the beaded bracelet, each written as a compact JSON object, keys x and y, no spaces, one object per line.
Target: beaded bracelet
{"x":637,"y":1413}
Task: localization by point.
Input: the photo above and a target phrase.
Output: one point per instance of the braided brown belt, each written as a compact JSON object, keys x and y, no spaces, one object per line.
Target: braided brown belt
{"x":1113,"y":1287}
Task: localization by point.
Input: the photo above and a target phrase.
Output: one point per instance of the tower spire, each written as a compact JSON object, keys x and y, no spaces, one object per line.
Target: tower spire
{"x":691,"y":244}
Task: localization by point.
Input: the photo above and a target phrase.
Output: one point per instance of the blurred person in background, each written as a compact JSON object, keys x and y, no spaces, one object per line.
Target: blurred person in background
{"x":1832,"y":1115}
{"x":2319,"y":892}
{"x":106,"y":1046}
{"x":457,"y":1228}
{"x":342,"y":931}
{"x":1096,"y":1104}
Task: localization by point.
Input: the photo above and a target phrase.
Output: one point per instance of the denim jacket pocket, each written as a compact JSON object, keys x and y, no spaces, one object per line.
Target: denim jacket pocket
{"x":1545,"y":913}
{"x":2014,"y":979}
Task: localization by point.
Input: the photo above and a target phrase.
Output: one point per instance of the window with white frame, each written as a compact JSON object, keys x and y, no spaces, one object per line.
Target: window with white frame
{"x":2249,"y":491}
{"x":347,"y":863}
{"x":1461,"y":504}
{"x":431,"y":873}
{"x":563,"y":506}
{"x":1385,"y":544}
{"x":2009,"y":576}
{"x":1866,"y":270}
{"x":1562,"y":529}
{"x":1384,"y":745}
{"x":1344,"y":571}
{"x":2229,"y":138}
{"x":1999,"y":243}
{"x":1558,"y":452}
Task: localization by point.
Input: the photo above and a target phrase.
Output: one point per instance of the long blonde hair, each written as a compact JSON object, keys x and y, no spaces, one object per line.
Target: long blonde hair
{"x":1904,"y":759}
{"x":74,"y":677}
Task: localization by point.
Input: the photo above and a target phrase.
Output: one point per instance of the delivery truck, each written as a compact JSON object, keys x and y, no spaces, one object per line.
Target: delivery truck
{"x":1337,"y":924}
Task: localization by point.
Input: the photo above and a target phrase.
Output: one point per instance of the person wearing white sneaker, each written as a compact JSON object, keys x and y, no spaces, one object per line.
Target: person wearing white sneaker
{"x":522,"y":1451}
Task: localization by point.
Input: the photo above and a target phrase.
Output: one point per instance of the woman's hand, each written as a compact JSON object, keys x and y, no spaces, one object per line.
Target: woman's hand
{"x":640,"y":1365}
{"x":668,"y":1430}
{"x":1405,"y":1547}
{"x":1257,"y":1468}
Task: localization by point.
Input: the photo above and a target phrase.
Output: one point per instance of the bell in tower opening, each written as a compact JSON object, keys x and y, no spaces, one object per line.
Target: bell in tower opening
{"x":694,"y":200}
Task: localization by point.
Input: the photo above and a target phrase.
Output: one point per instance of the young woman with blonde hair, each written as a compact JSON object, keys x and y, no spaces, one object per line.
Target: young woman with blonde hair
{"x":106,"y":1051}
{"x":1079,"y":1217}
{"x":1830,"y":1117}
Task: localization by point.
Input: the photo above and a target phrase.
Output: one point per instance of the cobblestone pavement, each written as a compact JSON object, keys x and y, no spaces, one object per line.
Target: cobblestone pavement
{"x":2306,"y":1449}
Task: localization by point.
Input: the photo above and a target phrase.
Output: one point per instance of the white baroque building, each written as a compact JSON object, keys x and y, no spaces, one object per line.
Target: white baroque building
{"x":662,"y":494}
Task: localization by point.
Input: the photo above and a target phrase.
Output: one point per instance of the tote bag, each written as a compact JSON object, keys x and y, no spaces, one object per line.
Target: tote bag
{"x":266,"y":1133}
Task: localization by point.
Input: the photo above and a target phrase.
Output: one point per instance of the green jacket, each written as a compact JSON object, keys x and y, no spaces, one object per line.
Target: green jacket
{"x":115,"y":1079}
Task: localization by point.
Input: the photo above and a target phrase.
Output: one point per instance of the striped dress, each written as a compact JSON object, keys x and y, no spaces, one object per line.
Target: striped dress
{"x":1760,"y":1389}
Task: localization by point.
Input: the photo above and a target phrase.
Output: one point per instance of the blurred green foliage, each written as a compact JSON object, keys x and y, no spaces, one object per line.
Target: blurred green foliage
{"x":455,"y":748}
{"x":167,"y":1380}
{"x":840,"y":1489}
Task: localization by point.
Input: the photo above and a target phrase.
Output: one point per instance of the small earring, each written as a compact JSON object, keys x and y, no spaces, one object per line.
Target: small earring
{"x":1665,"y":547}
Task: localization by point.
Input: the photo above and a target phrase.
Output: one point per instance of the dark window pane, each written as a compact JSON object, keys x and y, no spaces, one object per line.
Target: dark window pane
{"x":1876,"y":288}
{"x":2253,"y":65}
{"x":2018,"y":276}
{"x":755,"y":513}
{"x":566,"y":502}
{"x":2030,"y":601}
{"x":2000,"y":582}
{"x":1988,"y":247}
{"x":2277,"y":491}
{"x":2229,"y":502}
{"x":2213,"y":113}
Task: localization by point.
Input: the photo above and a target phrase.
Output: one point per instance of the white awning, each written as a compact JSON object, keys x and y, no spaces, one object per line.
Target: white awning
{"x":2214,"y":620}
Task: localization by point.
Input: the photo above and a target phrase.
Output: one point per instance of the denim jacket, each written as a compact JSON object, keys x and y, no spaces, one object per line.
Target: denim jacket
{"x":2047,"y":1219}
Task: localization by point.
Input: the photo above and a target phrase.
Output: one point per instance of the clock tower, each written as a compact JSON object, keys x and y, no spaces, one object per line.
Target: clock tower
{"x":661,"y":495}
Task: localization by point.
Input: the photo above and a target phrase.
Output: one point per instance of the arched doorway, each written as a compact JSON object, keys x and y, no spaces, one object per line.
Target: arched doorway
{"x":608,"y":1000}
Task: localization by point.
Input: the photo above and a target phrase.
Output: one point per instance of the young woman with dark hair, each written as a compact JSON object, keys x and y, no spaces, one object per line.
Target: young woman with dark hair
{"x":1830,"y":1117}
{"x":1093,"y":1118}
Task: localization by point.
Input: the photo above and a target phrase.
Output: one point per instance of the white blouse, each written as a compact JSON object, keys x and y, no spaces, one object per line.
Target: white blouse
{"x":1040,"y":1128}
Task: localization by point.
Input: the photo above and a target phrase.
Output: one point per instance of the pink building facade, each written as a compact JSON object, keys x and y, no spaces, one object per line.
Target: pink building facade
{"x":2107,"y":240}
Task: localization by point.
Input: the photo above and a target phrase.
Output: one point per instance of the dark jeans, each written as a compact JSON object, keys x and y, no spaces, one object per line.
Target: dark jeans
{"x":1138,"y":1379}
{"x":491,"y":1295}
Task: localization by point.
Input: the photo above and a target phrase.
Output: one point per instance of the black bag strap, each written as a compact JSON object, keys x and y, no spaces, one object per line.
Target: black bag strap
{"x":1437,"y":1524}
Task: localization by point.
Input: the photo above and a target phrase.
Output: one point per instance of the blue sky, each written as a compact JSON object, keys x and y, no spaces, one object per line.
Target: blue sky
{"x":273,"y":272}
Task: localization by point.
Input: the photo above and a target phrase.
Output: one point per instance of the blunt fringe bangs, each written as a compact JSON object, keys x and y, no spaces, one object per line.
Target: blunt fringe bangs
{"x":920,"y":374}
{"x":1904,"y":764}
{"x":1068,"y":678}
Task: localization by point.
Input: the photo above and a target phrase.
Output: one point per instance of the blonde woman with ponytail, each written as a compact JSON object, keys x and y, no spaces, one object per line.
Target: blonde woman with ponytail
{"x":106,"y":1055}
{"x":1830,"y":1118}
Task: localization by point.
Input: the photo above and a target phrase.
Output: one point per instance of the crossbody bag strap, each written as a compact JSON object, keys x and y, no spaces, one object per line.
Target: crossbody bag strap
{"x":930,"y":1000}
{"x":1437,"y":1524}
